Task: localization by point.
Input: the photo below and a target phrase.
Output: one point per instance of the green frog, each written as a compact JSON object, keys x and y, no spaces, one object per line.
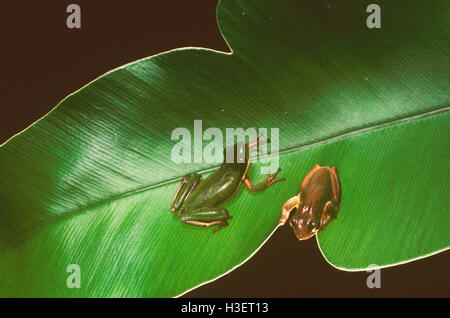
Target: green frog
{"x":199,"y":202}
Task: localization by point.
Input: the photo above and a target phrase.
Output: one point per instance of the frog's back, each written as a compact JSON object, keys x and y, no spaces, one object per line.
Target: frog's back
{"x":318,"y":189}
{"x":222,"y":184}
{"x":215,"y":190}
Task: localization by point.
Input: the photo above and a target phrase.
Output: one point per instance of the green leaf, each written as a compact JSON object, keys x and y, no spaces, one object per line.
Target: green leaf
{"x":91,"y":183}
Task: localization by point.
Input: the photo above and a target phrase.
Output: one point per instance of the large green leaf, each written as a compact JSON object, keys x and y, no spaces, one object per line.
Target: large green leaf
{"x":91,"y":182}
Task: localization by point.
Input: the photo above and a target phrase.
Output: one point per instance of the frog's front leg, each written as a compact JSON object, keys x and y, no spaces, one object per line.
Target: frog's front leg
{"x":288,"y":206}
{"x":262,"y":184}
{"x":206,"y":217}
{"x":188,"y":184}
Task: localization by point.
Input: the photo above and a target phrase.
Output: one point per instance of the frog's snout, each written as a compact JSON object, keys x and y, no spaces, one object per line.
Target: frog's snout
{"x":302,"y":228}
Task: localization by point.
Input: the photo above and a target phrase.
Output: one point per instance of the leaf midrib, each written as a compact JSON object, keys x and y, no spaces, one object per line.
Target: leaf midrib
{"x":357,"y":131}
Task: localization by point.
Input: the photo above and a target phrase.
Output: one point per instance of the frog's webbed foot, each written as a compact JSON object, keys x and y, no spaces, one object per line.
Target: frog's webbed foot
{"x":263,"y":184}
{"x":271,"y":179}
{"x":222,"y":224}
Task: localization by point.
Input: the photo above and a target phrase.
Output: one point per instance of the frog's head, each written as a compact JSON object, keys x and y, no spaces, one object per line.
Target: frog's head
{"x":304,"y":223}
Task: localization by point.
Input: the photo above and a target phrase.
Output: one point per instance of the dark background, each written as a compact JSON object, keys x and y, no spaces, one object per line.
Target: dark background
{"x":43,"y":61}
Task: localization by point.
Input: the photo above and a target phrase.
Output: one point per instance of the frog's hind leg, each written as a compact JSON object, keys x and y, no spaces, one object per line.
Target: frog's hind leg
{"x":187,"y":185}
{"x":207,"y":217}
{"x":331,"y":208}
{"x":329,"y":213}
{"x":335,"y":184}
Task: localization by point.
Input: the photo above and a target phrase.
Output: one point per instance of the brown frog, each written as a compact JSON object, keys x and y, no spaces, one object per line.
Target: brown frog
{"x":316,"y":204}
